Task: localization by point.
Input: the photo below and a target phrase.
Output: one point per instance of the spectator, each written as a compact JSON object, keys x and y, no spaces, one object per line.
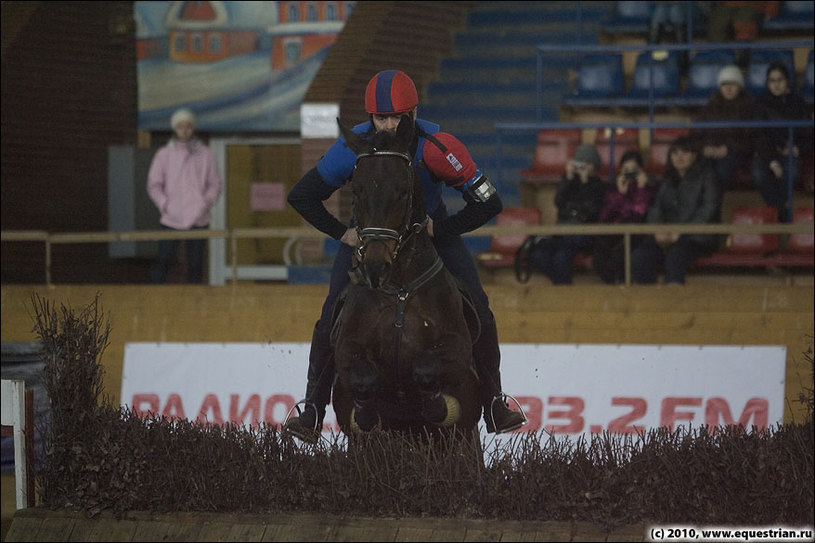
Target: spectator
{"x":727,"y":148}
{"x":738,"y":21}
{"x":626,"y":201}
{"x":184,"y":183}
{"x":578,"y":199}
{"x":671,"y":18}
{"x":688,"y":193}
{"x":668,"y":17}
{"x":773,"y":166}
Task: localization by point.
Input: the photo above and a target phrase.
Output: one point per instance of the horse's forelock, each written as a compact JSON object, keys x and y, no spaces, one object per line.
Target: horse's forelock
{"x":384,"y":141}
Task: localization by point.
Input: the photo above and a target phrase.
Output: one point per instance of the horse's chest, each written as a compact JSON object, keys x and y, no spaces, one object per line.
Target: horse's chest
{"x":383,"y":326}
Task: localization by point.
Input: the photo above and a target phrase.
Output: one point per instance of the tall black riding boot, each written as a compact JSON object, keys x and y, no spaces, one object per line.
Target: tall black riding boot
{"x":497,"y":415}
{"x":308,"y":425}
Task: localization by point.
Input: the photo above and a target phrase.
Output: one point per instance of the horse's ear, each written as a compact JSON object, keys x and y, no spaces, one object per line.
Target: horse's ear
{"x":353,"y":140}
{"x":404,"y":132}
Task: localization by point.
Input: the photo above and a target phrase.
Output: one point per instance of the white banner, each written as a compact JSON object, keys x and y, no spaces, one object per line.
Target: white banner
{"x":564,"y":389}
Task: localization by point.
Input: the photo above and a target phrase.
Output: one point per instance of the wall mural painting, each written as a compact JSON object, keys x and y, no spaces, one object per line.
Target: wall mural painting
{"x":240,"y":66}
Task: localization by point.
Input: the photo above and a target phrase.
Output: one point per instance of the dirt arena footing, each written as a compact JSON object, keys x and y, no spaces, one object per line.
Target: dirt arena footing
{"x":40,"y":524}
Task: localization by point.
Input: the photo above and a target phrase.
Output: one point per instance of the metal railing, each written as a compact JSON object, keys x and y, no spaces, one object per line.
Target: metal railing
{"x":49,"y":239}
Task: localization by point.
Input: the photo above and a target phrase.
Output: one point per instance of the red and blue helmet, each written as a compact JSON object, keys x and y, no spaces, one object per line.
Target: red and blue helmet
{"x":390,"y":92}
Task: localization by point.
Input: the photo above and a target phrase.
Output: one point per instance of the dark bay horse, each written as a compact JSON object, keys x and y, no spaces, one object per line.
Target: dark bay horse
{"x":403,"y":350}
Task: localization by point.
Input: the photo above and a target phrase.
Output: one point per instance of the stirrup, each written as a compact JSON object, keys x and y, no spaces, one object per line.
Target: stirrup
{"x":502,"y":397}
{"x":300,"y":432}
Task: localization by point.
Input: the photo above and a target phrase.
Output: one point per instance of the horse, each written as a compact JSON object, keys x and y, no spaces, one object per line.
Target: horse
{"x":403,"y":338}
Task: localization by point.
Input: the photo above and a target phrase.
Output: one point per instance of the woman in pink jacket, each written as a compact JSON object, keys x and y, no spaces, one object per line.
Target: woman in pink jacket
{"x":184,"y":184}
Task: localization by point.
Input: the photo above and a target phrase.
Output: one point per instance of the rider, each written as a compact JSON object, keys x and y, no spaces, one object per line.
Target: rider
{"x":441,"y":158}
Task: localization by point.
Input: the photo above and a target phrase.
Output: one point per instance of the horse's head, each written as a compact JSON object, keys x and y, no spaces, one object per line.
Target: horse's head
{"x":385,"y":196}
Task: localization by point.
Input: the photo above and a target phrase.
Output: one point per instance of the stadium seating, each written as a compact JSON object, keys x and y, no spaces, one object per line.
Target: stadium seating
{"x":661,"y":140}
{"x":762,"y":250}
{"x":599,"y":77}
{"x":625,"y":139}
{"x":792,"y":16}
{"x":801,"y":244}
{"x":746,"y":249}
{"x":760,"y":60}
{"x":629,"y":18}
{"x":665,"y":71}
{"x":501,"y":253}
{"x":554,"y":149}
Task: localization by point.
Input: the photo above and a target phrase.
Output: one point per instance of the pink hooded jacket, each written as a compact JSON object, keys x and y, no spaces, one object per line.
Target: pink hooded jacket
{"x":184,"y":183}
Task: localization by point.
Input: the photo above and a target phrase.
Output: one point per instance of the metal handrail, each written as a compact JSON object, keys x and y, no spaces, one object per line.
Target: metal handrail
{"x":304,"y":232}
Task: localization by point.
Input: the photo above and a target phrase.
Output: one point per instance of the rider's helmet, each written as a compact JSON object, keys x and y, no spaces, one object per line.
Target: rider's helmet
{"x":390,"y":92}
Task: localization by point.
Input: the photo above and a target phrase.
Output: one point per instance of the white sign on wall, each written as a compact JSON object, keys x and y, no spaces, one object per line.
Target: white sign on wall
{"x":319,"y":120}
{"x":565,"y":389}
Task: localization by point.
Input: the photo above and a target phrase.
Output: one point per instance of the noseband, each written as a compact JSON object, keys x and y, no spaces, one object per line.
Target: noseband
{"x":367,"y":235}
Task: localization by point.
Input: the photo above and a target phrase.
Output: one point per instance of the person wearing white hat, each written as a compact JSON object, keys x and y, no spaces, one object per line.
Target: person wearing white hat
{"x":184,"y":184}
{"x":728,"y":148}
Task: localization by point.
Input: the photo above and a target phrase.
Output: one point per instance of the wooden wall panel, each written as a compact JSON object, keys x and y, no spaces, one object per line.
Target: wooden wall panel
{"x":692,"y":315}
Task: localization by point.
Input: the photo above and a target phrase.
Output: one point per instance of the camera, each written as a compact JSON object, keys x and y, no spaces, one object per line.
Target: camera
{"x":630,"y":176}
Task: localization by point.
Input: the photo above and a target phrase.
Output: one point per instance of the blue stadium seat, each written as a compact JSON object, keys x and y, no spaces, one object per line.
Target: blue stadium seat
{"x":792,"y":16}
{"x":666,"y":76}
{"x":704,"y":72}
{"x":600,"y":76}
{"x":760,"y":60}
{"x":808,"y":88}
{"x":630,"y":18}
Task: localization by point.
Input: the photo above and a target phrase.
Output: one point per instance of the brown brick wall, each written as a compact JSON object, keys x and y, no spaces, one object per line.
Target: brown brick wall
{"x":68,"y":92}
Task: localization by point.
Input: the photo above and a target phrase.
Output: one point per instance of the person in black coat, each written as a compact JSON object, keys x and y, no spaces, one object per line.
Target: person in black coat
{"x":579,"y":198}
{"x":688,"y":193}
{"x":774,"y":165}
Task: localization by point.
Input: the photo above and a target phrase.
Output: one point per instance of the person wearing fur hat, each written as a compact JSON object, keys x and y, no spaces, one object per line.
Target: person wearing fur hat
{"x":774,"y":163}
{"x":442,"y":161}
{"x":184,"y":184}
{"x":579,"y":198}
{"x":727,"y":148}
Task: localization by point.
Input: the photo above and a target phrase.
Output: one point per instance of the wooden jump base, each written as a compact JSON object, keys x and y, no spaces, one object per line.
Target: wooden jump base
{"x":42,"y":524}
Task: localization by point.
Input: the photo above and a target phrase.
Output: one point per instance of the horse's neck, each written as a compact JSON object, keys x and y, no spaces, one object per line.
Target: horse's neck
{"x":418,"y":256}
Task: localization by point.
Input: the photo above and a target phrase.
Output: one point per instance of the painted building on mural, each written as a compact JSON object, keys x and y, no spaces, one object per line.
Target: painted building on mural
{"x":209,"y":31}
{"x":305,"y":28}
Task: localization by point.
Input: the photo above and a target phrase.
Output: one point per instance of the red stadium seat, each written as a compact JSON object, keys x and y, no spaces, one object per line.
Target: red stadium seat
{"x":554,"y":149}
{"x":746,"y":243}
{"x":501,"y":253}
{"x":801,"y":243}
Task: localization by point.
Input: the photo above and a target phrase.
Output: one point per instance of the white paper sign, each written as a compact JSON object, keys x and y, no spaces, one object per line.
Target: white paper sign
{"x":319,"y":120}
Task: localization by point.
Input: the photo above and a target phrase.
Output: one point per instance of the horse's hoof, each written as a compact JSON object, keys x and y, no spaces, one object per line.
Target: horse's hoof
{"x":453,"y":411}
{"x":368,"y":420}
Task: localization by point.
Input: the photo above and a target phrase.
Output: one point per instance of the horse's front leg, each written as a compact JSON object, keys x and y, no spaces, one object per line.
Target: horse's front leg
{"x":437,"y":408}
{"x":363,"y":380}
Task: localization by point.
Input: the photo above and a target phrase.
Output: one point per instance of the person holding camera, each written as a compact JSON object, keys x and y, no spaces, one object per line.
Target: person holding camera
{"x":578,"y":199}
{"x":626,"y":201}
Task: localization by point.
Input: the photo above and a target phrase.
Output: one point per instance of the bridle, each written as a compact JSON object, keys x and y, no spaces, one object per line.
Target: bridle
{"x":371,"y":234}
